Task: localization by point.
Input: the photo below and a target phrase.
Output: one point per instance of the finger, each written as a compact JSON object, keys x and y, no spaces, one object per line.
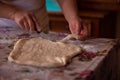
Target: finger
{"x":85,"y":30}
{"x":27,"y":27}
{"x":36,"y":23}
{"x":83,"y":33}
{"x":30,"y":23}
{"x":21,"y":24}
{"x":78,"y":29}
{"x":73,"y":29}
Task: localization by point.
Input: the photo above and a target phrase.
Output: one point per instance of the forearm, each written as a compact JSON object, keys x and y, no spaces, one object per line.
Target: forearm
{"x":6,"y":11}
{"x":69,"y":9}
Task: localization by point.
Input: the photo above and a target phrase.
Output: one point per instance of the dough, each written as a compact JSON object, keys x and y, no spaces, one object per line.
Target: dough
{"x":42,"y":52}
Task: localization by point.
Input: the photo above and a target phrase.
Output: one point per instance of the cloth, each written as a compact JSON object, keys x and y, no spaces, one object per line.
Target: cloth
{"x":99,"y":62}
{"x":35,"y":6}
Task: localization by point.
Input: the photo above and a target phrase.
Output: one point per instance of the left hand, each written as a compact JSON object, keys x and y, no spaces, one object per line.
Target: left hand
{"x":78,"y":27}
{"x":25,"y":20}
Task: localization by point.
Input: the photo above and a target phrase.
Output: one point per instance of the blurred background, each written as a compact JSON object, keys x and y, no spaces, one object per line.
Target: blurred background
{"x":102,"y":16}
{"x":52,"y":5}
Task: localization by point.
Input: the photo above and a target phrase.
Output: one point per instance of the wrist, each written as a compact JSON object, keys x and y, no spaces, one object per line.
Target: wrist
{"x":12,"y":13}
{"x":75,"y":21}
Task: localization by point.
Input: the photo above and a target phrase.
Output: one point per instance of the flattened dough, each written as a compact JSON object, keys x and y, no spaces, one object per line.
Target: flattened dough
{"x":42,"y":52}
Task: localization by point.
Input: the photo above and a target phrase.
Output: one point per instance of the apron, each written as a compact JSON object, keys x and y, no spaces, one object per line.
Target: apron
{"x":37,"y":7}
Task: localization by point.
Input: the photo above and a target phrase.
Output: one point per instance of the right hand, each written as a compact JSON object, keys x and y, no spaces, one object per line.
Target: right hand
{"x":25,"y":20}
{"x":77,"y":27}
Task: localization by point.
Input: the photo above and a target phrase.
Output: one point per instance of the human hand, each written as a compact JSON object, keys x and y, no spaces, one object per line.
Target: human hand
{"x":25,"y":20}
{"x":77,"y":27}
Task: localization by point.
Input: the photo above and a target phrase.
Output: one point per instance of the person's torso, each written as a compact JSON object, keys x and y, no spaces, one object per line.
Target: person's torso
{"x":26,"y":4}
{"x":36,"y":6}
